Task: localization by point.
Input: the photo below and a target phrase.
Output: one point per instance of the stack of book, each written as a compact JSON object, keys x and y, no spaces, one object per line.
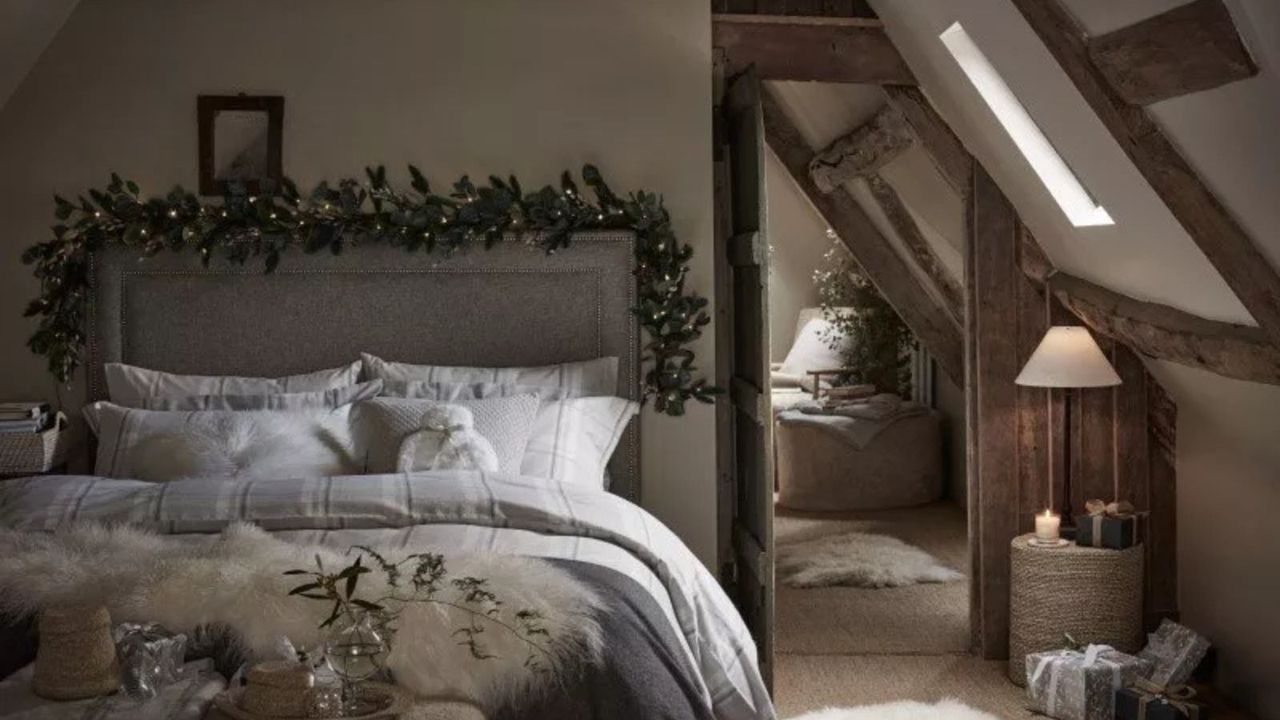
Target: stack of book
{"x":25,"y":417}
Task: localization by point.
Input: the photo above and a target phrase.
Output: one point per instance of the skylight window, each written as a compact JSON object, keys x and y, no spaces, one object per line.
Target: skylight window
{"x":1062,"y":184}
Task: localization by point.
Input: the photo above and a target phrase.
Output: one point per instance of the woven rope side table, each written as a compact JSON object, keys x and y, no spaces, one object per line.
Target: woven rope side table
{"x":1092,"y":593}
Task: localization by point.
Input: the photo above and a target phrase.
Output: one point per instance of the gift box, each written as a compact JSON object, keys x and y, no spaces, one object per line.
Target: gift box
{"x":151,"y":658}
{"x":1113,"y":526}
{"x":1149,"y":701}
{"x":1074,"y":685}
{"x":1174,"y":651}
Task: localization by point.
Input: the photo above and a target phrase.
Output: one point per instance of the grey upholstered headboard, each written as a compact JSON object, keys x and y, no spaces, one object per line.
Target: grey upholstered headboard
{"x":510,"y":306}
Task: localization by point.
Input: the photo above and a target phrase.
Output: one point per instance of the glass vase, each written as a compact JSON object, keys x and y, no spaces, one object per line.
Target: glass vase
{"x":355,"y":648}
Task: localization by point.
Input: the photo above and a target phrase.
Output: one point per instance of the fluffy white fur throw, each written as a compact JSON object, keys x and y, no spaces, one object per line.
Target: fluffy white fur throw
{"x":908,"y":710}
{"x":236,"y":579}
{"x":860,"y":560}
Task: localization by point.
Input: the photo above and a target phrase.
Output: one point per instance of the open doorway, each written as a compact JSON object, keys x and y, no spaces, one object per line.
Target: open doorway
{"x":869,"y":539}
{"x":870,"y":525}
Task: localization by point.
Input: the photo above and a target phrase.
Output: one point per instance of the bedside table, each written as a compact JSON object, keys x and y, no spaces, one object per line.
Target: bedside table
{"x":1094,"y":594}
{"x":27,"y":454}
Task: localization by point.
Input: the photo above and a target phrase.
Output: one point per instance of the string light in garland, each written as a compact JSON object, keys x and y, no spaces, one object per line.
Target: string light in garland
{"x":331,"y":217}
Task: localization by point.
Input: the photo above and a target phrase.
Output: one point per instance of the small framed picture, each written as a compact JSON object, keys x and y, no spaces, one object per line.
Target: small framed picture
{"x":240,"y":141}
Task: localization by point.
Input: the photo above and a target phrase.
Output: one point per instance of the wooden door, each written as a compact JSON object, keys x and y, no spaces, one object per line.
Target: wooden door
{"x":745,"y":418}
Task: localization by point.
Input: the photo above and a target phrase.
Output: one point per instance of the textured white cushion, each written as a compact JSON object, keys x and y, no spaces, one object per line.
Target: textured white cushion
{"x":810,"y":350}
{"x":574,"y":379}
{"x":506,"y":422}
{"x":129,"y":385}
{"x":162,"y":445}
{"x":573,"y":437}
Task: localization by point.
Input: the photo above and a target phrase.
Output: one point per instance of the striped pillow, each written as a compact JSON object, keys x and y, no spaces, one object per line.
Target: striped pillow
{"x":573,"y":379}
{"x":129,"y":385}
{"x":572,"y":439}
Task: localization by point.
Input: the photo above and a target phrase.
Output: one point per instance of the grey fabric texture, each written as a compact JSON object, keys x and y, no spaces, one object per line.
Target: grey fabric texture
{"x":505,"y":422}
{"x":511,"y":306}
{"x":286,"y":402}
{"x":130,"y":386}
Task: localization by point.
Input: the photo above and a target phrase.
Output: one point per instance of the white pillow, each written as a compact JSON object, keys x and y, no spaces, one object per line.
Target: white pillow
{"x":283,"y":402}
{"x":573,"y":379}
{"x":572,"y":439}
{"x":810,"y":350}
{"x":129,"y":385}
{"x":159,"y":446}
{"x":505,"y":422}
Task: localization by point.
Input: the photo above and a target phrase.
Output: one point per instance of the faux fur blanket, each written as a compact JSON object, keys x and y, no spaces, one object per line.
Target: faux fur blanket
{"x":236,"y":579}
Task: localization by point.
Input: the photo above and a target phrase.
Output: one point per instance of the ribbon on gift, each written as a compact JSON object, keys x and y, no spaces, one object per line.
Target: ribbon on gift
{"x":1120,"y":509}
{"x":1092,"y":656}
{"x":1176,"y":696}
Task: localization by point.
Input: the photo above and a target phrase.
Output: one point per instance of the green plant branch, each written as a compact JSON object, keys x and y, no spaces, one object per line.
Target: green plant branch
{"x":333,"y":218}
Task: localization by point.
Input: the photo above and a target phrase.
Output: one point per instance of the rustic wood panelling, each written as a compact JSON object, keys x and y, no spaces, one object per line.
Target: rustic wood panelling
{"x":806,"y":8}
{"x":1161,"y":597}
{"x":785,"y":48}
{"x":993,"y":353}
{"x":1190,"y":48}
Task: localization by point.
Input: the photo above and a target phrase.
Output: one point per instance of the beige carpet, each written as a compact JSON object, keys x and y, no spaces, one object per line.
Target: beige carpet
{"x":843,"y":646}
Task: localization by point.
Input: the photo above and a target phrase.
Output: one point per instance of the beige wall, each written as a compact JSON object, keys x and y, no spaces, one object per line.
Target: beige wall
{"x":1228,"y":459}
{"x":797,"y":241}
{"x":454,"y":86}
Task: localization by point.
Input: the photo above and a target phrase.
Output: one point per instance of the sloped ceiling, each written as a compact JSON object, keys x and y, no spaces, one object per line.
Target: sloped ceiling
{"x":26,"y":28}
{"x":1146,"y":254}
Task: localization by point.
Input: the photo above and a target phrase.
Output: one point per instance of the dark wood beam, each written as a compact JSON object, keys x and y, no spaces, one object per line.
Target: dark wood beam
{"x":1190,"y":48}
{"x":849,"y":50}
{"x":808,"y":8}
{"x":926,"y":259}
{"x":1167,"y":333}
{"x":864,"y":151}
{"x":884,"y":266}
{"x":944,"y":148}
{"x":1246,"y":270}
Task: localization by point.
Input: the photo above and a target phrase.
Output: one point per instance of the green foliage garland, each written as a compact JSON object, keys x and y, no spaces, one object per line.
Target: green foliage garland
{"x":332,"y":218}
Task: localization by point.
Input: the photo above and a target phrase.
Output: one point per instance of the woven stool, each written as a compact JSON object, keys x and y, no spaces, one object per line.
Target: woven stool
{"x":1091,"y":593}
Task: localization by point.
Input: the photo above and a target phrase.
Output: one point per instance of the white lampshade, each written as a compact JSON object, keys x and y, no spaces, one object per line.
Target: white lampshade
{"x":1068,"y":357}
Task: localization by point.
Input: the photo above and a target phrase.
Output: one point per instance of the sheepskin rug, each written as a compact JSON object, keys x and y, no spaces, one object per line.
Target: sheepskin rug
{"x":909,"y":710}
{"x":859,"y":560}
{"x":236,"y":579}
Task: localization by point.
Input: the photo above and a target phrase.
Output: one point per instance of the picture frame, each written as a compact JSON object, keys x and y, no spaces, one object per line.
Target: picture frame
{"x":241,"y":140}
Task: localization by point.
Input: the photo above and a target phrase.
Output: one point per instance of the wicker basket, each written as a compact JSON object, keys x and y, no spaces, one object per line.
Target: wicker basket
{"x":1092,"y":593}
{"x":32,"y":453}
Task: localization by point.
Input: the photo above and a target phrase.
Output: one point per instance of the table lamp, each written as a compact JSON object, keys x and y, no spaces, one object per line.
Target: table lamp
{"x":1067,"y":357}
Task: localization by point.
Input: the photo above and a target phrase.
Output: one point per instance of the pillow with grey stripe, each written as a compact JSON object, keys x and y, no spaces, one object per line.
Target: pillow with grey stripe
{"x":288,"y":402}
{"x":573,"y":379}
{"x":572,"y":439}
{"x":158,"y":446}
{"x":129,"y":385}
{"x":506,"y":422}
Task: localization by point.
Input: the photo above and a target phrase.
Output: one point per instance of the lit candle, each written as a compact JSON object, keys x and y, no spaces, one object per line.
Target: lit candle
{"x":1047,"y":525}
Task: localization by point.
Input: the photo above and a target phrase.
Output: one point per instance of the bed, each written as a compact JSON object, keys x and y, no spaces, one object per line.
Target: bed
{"x":674,"y":646}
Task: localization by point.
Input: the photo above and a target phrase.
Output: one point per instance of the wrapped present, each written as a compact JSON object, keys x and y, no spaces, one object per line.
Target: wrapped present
{"x":1074,"y":685}
{"x":151,"y":658}
{"x":1108,"y":525}
{"x":1174,"y":652}
{"x":1146,"y":700}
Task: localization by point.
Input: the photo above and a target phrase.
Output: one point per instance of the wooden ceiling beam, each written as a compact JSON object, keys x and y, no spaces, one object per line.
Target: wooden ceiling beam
{"x":1190,"y":48}
{"x":865,"y":150}
{"x":945,"y":149}
{"x":1229,"y":249}
{"x":884,"y":266}
{"x":846,"y":50}
{"x":1167,"y":333}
